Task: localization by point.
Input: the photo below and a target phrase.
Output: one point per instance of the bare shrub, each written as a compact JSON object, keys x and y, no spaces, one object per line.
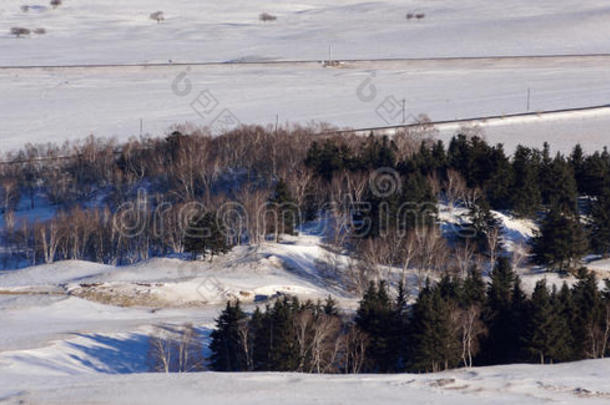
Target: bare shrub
{"x":175,"y":350}
{"x":464,"y":254}
{"x":157,"y":16}
{"x":40,"y":31}
{"x":410,"y":16}
{"x":420,"y":16}
{"x":20,"y":31}
{"x":431,"y":254}
{"x":266,"y":17}
{"x":455,"y":187}
{"x":355,"y":343}
{"x":25,"y":8}
{"x":55,"y":3}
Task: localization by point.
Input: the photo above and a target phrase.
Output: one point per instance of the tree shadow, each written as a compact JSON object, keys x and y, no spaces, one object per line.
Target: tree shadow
{"x":112,"y":355}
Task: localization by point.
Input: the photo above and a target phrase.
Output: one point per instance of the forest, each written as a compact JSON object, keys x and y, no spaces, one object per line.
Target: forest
{"x":194,"y":196}
{"x":123,"y":203}
{"x":453,"y":323}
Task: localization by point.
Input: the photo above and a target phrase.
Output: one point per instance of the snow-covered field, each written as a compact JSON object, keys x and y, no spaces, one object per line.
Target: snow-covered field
{"x":59,"y":104}
{"x":115,"y":31}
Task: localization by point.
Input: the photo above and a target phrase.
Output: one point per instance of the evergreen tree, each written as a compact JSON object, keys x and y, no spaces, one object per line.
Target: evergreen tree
{"x":227,"y":350}
{"x":376,"y":317}
{"x":499,"y":345}
{"x":435,"y":343}
{"x":595,"y":177}
{"x":558,"y":185}
{"x":577,"y":162}
{"x":205,"y":235}
{"x":481,"y":223}
{"x":525,"y":194}
{"x":587,"y":316}
{"x":560,"y":242}
{"x":518,"y":316}
{"x":328,"y":158}
{"x":545,"y":339}
{"x":330,"y":306}
{"x":497,"y":186}
{"x":473,"y":289}
{"x":286,"y":212}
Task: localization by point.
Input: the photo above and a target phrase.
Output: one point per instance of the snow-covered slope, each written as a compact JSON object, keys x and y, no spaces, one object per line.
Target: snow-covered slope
{"x":68,"y":327}
{"x":584,"y":382}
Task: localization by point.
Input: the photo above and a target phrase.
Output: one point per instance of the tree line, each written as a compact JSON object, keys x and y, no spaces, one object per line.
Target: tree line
{"x":455,"y":322}
{"x":122,"y":203}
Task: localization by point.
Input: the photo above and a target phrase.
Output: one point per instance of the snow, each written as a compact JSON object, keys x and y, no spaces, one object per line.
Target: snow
{"x":77,"y":332}
{"x":583,"y":382}
{"x":115,"y":31}
{"x":70,"y":104}
{"x":69,"y":327}
{"x":67,"y":104}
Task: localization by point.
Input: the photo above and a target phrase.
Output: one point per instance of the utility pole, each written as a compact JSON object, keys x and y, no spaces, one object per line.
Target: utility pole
{"x":404,"y":117}
{"x":528,"y":99}
{"x":141,"y":126}
{"x":277,"y":120}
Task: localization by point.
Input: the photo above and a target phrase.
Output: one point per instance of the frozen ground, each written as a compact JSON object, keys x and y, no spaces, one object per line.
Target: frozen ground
{"x":584,"y":382}
{"x":116,"y":31}
{"x":60,"y":104}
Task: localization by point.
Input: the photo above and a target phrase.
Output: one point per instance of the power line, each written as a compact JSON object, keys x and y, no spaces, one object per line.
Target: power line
{"x":355,"y":130}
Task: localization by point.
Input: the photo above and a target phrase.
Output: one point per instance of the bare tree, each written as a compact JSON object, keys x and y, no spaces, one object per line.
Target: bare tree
{"x":455,"y":187}
{"x":175,"y":350}
{"x":520,"y":254}
{"x":471,"y":328}
{"x":355,"y":346}
{"x":324,"y":338}
{"x":157,"y":16}
{"x":493,"y":237}
{"x":252,"y":201}
{"x":9,"y":192}
{"x":19,"y":31}
{"x":266,"y":17}
{"x":464,"y":254}
{"x":431,"y":252}
{"x":48,"y":237}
